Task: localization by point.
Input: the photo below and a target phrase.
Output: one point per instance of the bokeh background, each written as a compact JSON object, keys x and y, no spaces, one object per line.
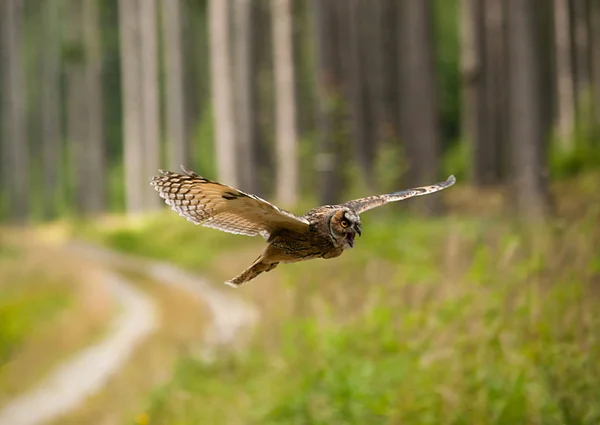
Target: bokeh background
{"x":475,"y":305}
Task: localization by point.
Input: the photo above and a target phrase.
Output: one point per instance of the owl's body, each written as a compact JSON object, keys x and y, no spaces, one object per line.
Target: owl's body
{"x":323,"y":232}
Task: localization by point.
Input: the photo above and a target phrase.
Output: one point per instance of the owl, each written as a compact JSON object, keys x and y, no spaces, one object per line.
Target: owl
{"x":323,"y":232}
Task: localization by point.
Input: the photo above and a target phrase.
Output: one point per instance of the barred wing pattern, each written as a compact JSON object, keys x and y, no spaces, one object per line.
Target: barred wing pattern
{"x":222,"y":207}
{"x":365,"y":204}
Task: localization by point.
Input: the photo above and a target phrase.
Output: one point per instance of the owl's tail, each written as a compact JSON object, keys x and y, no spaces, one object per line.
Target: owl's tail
{"x":251,"y":272}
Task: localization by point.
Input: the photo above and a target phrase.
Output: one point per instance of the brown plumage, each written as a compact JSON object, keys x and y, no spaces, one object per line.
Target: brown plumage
{"x":323,"y":232}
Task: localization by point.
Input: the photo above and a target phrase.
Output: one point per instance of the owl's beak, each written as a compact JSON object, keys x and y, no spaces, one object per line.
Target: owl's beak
{"x":358,"y":229}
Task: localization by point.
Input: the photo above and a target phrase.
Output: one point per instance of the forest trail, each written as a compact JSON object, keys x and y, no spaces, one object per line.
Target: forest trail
{"x":84,"y":374}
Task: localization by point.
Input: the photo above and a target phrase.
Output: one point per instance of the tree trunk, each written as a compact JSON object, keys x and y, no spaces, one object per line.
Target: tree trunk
{"x":328,"y":102}
{"x":285,"y":103}
{"x":360,"y":91}
{"x":304,"y":69}
{"x":51,"y":135}
{"x":473,"y":91}
{"x":419,"y":88}
{"x":357,"y":87}
{"x":545,"y":17}
{"x":262,"y":55}
{"x":195,"y":94}
{"x":96,"y":173}
{"x":221,"y":80}
{"x":527,"y":125}
{"x":150,"y":105}
{"x":77,"y":108}
{"x":245,"y":83}
{"x":391,"y":68}
{"x":581,"y":39}
{"x":595,"y":36}
{"x":15,"y":160}
{"x":129,"y":35}
{"x":494,"y":156}
{"x":372,"y":39}
{"x":564,"y":74}
{"x":177,"y":140}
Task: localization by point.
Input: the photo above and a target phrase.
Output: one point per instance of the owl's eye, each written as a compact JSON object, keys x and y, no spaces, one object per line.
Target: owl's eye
{"x":344,"y":223}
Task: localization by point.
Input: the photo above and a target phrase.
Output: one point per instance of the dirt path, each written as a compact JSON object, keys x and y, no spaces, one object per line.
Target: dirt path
{"x":86,"y":373}
{"x":232,"y":318}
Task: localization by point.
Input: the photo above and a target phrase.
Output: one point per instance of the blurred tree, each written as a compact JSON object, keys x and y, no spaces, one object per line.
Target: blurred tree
{"x":129,"y":28}
{"x":545,"y":10}
{"x":472,"y":24}
{"x":356,"y":76}
{"x":595,"y":48}
{"x":387,"y":24}
{"x":422,"y":127}
{"x":285,"y":103}
{"x":304,"y":60}
{"x":329,"y":99}
{"x":15,"y":152}
{"x":527,"y":129}
{"x":245,"y":93}
{"x":96,"y":184}
{"x":222,"y":92}
{"x":564,"y":74}
{"x":51,"y":129}
{"x":150,"y":96}
{"x":493,"y":155}
{"x":176,"y":137}
{"x":265,"y":151}
{"x":195,"y":71}
{"x":379,"y":52}
{"x":85,"y":126}
{"x":78,"y":111}
{"x":581,"y":49}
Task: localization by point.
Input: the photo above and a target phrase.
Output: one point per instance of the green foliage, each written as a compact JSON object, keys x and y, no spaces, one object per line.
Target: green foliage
{"x":575,"y":162}
{"x":456,"y":161}
{"x":581,"y":154}
{"x":116,"y":188}
{"x":204,"y":145}
{"x":390,"y":165}
{"x":24,"y":306}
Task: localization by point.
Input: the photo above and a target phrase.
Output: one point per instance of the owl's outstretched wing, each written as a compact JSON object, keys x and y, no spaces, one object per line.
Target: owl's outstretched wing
{"x":365,"y":204}
{"x":222,"y":207}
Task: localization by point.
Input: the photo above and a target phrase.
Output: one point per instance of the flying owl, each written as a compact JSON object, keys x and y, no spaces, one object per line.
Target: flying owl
{"x":323,"y":232}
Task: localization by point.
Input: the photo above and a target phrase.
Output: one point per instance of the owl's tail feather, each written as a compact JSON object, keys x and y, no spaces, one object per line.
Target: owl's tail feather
{"x":251,"y":272}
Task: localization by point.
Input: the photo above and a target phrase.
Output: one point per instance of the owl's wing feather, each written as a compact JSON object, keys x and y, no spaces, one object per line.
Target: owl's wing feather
{"x":365,"y":204}
{"x":222,"y":207}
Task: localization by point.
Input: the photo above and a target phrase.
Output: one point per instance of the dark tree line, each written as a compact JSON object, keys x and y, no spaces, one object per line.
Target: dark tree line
{"x":289,"y":97}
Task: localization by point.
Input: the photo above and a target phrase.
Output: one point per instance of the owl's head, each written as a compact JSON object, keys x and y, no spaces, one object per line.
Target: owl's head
{"x":344,"y":225}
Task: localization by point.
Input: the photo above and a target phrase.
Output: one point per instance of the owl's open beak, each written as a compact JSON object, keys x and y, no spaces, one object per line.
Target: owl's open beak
{"x":358,"y":229}
{"x":350,"y":238}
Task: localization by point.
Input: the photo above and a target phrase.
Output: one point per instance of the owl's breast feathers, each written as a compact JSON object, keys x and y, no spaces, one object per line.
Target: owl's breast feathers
{"x":287,"y":245}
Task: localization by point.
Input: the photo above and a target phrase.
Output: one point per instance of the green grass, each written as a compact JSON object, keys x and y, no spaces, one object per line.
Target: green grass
{"x":28,"y":299}
{"x":23,"y":309}
{"x":441,"y":321}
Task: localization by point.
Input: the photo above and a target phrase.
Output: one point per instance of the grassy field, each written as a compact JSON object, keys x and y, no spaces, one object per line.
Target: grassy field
{"x":46,"y":313}
{"x":468,"y":319}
